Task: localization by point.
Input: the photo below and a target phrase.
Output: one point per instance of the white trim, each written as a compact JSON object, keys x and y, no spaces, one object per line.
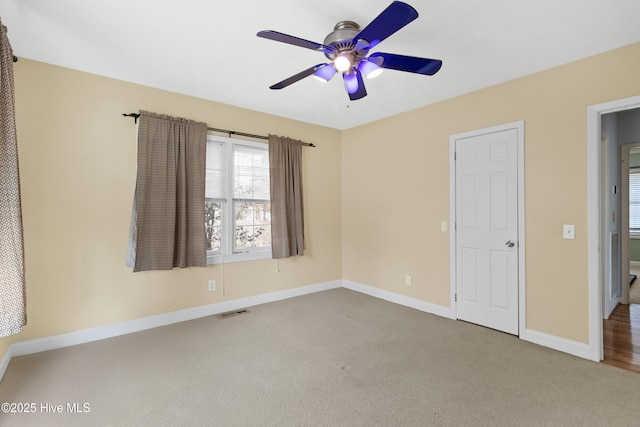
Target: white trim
{"x":136,"y":325}
{"x":564,"y":345}
{"x":612,"y":306}
{"x":522,"y":309}
{"x":4,"y":363}
{"x":418,"y":304}
{"x":452,"y":227}
{"x":596,"y":346}
{"x":519,"y":127}
{"x":238,"y":257}
{"x":635,"y":264}
{"x":122,"y":328}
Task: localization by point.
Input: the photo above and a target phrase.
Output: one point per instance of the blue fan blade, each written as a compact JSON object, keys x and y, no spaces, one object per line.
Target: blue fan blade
{"x":285,"y":38}
{"x":301,"y":75}
{"x":410,"y":64}
{"x":361,"y":92}
{"x":394,"y":17}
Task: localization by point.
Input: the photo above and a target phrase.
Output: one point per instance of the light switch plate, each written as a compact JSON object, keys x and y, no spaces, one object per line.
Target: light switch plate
{"x":569,"y":231}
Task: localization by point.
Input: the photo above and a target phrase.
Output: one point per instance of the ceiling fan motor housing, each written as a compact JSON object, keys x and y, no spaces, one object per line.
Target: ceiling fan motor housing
{"x":341,"y":40}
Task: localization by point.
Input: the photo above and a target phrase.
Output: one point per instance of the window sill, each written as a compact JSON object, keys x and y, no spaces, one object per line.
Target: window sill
{"x":240,"y":257}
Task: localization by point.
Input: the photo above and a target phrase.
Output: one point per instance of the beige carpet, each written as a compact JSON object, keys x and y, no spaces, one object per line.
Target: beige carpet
{"x":335,"y":358}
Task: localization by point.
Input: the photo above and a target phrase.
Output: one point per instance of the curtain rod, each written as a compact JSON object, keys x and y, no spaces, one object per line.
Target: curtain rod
{"x":229,"y":132}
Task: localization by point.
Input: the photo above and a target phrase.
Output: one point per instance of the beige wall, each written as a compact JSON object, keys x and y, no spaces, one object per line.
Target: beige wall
{"x":78,"y":164}
{"x":395,"y":187}
{"x":375,"y":196}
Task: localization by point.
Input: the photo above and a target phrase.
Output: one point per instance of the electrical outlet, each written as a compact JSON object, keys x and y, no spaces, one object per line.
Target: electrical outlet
{"x":212,"y":285}
{"x":407,"y":280}
{"x":569,"y":231}
{"x":443,"y":226}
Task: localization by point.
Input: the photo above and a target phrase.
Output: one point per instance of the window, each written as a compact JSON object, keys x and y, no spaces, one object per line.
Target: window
{"x":237,"y":208}
{"x":634,"y":201}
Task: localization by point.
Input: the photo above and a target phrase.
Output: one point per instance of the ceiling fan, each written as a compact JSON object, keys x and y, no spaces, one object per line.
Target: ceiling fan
{"x":347,"y":47}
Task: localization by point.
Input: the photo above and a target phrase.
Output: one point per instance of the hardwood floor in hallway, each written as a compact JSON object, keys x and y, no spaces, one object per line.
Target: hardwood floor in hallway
{"x":621,"y":335}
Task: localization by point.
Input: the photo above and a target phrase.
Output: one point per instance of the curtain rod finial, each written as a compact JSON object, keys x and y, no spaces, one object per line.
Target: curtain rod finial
{"x":134,"y":115}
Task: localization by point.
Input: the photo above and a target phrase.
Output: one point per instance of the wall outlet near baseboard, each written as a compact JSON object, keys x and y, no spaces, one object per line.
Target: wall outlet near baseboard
{"x":407,"y":280}
{"x":212,"y":285}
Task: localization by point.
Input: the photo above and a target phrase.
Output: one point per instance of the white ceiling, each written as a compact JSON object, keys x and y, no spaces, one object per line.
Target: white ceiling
{"x":209,"y":48}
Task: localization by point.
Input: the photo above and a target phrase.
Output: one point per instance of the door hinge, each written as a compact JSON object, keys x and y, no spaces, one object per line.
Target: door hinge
{"x":455,"y":297}
{"x":455,"y":155}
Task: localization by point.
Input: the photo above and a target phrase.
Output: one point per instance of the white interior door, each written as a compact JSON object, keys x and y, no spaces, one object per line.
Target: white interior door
{"x":486,"y":238}
{"x":611,"y":214}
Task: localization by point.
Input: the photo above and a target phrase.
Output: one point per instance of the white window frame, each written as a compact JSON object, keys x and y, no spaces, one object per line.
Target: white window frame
{"x":228,"y":233}
{"x":634,"y":233}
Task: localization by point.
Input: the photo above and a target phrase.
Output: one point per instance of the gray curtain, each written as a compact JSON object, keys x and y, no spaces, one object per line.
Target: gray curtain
{"x":13,"y":315}
{"x":167,"y":222}
{"x":287,"y":211}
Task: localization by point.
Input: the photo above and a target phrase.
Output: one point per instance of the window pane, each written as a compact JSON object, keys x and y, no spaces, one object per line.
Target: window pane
{"x":252,"y":224}
{"x":237,"y":210}
{"x":215,"y":187}
{"x":213,"y":224}
{"x":251,"y":173}
{"x":634,"y":216}
{"x":634,"y":200}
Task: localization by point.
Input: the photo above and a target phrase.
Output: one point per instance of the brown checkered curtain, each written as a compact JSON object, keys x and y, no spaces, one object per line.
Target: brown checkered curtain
{"x":287,"y":211}
{"x":13,"y":315}
{"x":168,"y":218}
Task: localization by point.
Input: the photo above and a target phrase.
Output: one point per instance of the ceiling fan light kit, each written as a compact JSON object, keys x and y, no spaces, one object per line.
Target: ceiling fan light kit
{"x":370,"y":69}
{"x":343,"y":62}
{"x":347,"y":47}
{"x":325,"y":73}
{"x":351,"y":83}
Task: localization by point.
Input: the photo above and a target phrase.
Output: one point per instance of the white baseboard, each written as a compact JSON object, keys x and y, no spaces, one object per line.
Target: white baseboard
{"x":122,"y":328}
{"x":612,"y":306}
{"x":4,"y":363}
{"x":421,"y":305}
{"x":635,"y":264}
{"x":556,"y":343}
{"x":574,"y":348}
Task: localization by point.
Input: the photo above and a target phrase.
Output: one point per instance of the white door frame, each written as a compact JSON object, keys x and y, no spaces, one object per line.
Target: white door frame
{"x":595,"y":260}
{"x":519,"y":127}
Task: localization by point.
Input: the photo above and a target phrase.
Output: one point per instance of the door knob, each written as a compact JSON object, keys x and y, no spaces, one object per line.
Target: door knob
{"x":510,"y":243}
